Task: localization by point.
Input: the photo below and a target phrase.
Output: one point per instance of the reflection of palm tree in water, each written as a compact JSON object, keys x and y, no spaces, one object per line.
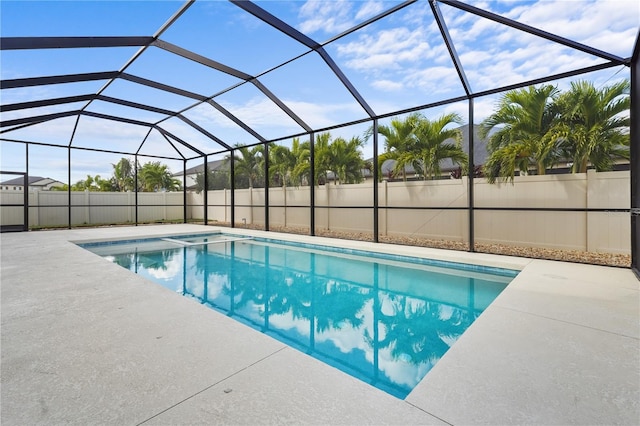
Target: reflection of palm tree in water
{"x":286,"y":292}
{"x":125,"y":260}
{"x":249,"y":289}
{"x":155,"y":260}
{"x":417,"y":331}
{"x":341,"y":304}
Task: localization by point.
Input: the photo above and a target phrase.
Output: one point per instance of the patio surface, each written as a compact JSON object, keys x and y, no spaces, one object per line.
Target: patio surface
{"x":85,"y":341}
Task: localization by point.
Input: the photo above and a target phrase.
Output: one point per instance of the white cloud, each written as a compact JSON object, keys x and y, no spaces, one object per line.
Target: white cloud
{"x":95,"y":129}
{"x":482,"y":108}
{"x":388,"y":49}
{"x":260,"y":113}
{"x":329,"y":17}
{"x":434,"y":80}
{"x":474,"y":58}
{"x":587,"y":22}
{"x":369,"y":9}
{"x":388,"y":85}
{"x":319,"y":115}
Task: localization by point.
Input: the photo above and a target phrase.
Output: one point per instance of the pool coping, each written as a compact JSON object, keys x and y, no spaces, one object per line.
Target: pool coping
{"x":525,"y":360}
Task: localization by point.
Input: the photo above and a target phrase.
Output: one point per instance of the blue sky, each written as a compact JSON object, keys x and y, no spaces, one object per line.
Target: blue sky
{"x":396,"y":63}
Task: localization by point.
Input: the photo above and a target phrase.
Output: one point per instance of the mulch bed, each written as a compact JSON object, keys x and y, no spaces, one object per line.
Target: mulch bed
{"x":592,"y":258}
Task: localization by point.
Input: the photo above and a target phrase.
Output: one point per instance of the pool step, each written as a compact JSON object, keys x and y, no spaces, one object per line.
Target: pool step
{"x":185,"y":243}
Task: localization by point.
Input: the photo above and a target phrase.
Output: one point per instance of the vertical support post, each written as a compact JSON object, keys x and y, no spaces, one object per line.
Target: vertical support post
{"x":266,"y":186}
{"x":375,"y":181}
{"x":26,"y":190}
{"x":135,"y":184}
{"x":184,"y":191}
{"x":206,"y":191}
{"x":232,"y":171}
{"x":69,"y":186}
{"x":470,"y":180}
{"x":634,"y":147}
{"x":312,"y":186}
{"x":73,"y":134}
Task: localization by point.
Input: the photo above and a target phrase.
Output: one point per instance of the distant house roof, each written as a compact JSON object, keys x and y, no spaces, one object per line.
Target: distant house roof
{"x":33,"y":181}
{"x":215,"y":165}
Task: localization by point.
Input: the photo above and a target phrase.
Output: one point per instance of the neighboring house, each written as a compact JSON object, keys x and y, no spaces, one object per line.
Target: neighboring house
{"x":190,"y":182}
{"x":36,"y":183}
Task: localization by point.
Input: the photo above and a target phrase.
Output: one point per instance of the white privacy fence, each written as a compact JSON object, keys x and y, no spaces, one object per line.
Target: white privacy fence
{"x":438,"y":210}
{"x":49,"y":208}
{"x":420,"y":209}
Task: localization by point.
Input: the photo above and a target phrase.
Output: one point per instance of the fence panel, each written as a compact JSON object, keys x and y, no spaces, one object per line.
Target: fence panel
{"x":336,"y":209}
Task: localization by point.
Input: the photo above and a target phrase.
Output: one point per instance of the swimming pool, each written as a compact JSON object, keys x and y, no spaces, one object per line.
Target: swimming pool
{"x":384,"y":319}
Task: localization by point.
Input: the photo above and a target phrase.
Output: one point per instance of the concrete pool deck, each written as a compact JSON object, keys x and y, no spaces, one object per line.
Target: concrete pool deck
{"x":84,"y":341}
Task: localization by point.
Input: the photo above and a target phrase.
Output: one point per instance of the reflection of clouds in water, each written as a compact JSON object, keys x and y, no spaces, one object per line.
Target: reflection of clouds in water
{"x":388,"y":306}
{"x":215,"y":284}
{"x":397,"y":370}
{"x":401,"y":372}
{"x":195,"y":281}
{"x":346,"y":339}
{"x":349,"y":339}
{"x":172,"y":267}
{"x":287,"y":322}
{"x":446,"y":312}
{"x":195,"y":287}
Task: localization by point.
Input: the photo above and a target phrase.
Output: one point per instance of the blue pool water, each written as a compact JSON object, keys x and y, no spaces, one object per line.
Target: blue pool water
{"x":383,"y":319}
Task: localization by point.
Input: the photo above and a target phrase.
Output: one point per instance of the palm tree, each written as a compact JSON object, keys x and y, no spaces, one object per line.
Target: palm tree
{"x":340,"y":156}
{"x":281,"y":164}
{"x":345,"y":160}
{"x":123,"y":175}
{"x":322,"y":157}
{"x":83,"y":185}
{"x":524,"y":118}
{"x":94,"y":184}
{"x":155,"y":176}
{"x":399,"y":138}
{"x":301,"y":152}
{"x":594,"y":125}
{"x":431,"y":147}
{"x":248,"y":164}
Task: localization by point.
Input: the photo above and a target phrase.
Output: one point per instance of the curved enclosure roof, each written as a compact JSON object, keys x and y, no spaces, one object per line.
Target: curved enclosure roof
{"x":180,"y":80}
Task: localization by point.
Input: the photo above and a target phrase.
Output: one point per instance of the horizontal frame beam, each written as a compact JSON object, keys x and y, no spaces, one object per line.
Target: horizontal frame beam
{"x":27,"y":43}
{"x":57,"y":79}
